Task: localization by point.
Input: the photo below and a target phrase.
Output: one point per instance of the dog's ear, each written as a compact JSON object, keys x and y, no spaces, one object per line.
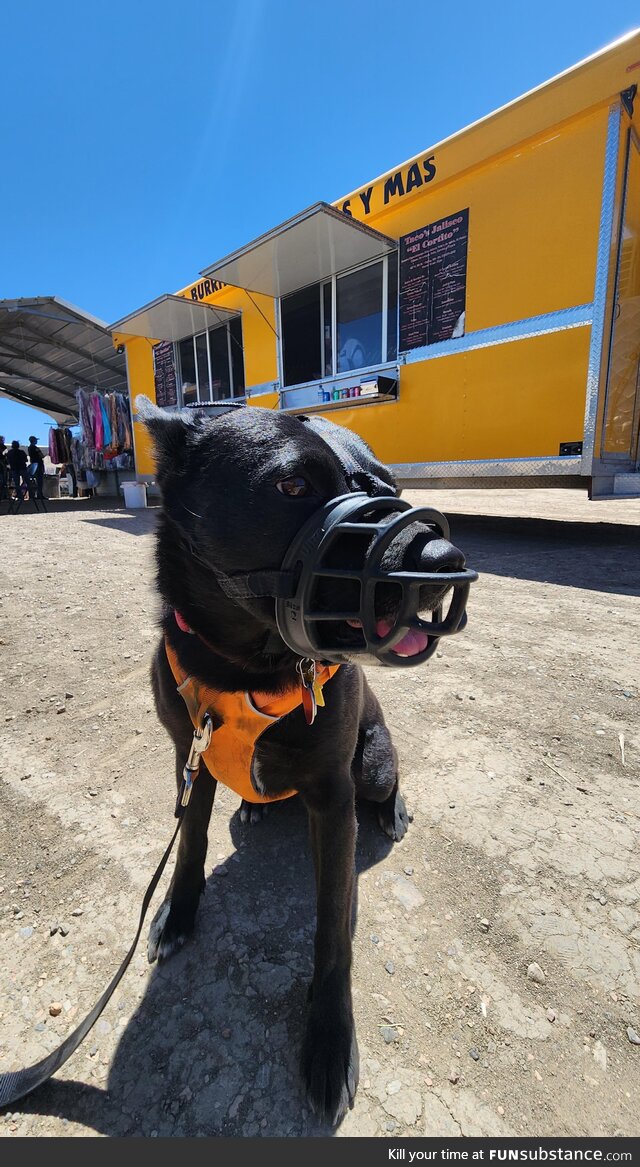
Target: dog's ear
{"x":361,"y":468}
{"x":172,"y":433}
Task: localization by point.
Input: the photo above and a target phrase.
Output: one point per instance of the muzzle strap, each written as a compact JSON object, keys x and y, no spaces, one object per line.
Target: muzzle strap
{"x":257,"y":584}
{"x":251,"y":585}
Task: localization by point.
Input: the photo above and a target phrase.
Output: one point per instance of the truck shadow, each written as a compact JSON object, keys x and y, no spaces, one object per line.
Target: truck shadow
{"x":602,"y":557}
{"x":213,"y":1047}
{"x":138,"y":522}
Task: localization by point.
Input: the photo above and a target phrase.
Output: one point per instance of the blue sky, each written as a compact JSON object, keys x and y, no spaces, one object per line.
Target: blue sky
{"x":144,"y":139}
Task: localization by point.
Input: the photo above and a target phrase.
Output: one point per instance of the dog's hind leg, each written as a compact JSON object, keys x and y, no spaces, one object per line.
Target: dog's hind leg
{"x":175,"y":919}
{"x":375,"y":769}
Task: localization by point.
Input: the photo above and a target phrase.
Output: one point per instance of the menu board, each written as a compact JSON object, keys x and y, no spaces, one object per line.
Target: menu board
{"x":433,"y":281}
{"x":164,"y":373}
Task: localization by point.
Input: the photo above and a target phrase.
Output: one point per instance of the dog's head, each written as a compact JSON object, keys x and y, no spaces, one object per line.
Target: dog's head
{"x":236,"y":491}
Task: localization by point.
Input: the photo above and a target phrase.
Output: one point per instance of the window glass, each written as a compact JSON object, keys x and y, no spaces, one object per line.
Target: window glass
{"x":219,"y":349}
{"x":187,"y":370}
{"x":359,"y":311}
{"x":301,"y":336}
{"x":237,"y":357}
{"x":203,"y":367}
{"x":392,"y":308}
{"x":213,"y":355}
{"x":307,"y":324}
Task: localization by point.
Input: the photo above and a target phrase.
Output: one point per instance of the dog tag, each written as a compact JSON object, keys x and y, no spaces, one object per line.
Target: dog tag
{"x":317,"y":692}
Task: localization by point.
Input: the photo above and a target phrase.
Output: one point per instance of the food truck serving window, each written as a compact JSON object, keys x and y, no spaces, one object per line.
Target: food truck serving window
{"x":211,"y":364}
{"x":346,"y":322}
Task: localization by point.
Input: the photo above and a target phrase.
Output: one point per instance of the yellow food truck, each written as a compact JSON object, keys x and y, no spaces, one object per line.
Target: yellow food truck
{"x":474,"y":313}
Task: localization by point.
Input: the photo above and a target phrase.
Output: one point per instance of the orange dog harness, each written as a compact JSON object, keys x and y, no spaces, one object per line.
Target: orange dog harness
{"x":245,"y":717}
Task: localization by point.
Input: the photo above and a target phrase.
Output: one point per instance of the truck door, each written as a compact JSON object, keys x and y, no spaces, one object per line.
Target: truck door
{"x":622,"y":409}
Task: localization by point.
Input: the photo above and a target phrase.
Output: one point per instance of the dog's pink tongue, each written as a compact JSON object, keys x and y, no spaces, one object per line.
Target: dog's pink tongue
{"x":413,"y":642}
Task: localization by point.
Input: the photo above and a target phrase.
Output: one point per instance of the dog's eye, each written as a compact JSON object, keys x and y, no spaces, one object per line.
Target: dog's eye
{"x":294,"y":487}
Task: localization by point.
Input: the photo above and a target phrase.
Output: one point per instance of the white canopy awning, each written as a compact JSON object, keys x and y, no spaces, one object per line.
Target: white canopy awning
{"x":171,"y":318}
{"x":314,"y":245}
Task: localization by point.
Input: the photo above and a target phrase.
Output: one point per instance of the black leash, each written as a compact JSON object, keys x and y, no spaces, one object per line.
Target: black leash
{"x":17,"y":1083}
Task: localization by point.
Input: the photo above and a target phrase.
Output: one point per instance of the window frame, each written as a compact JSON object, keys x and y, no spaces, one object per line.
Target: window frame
{"x":231,"y":376}
{"x":332,"y":281}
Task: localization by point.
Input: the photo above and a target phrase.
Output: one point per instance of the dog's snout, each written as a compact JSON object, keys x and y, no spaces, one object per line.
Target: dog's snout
{"x":440,"y":555}
{"x":422,"y":548}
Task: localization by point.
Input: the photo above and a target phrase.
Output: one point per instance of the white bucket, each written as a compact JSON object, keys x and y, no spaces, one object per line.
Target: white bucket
{"x":135,"y":494}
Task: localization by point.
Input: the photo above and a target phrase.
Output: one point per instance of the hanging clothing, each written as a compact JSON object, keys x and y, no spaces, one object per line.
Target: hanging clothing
{"x":98,"y":433}
{"x":106,"y":428}
{"x":85,"y":416}
{"x":112,"y":410}
{"x":105,"y":439}
{"x":125,"y":421}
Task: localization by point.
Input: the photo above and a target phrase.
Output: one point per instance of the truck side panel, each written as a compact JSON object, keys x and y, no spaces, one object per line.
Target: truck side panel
{"x":514,"y":400}
{"x":533,"y":223}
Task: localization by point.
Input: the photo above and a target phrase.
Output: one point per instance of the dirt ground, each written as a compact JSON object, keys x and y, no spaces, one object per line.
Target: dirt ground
{"x":520,"y":749}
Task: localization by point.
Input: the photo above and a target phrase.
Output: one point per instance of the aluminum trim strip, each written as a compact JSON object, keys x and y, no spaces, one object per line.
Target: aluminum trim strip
{"x":262,"y":389}
{"x":605,"y":239}
{"x":488,"y":468}
{"x":577,"y":317}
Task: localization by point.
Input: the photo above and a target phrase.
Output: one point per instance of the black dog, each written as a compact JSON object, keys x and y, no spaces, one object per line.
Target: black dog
{"x":235,"y":490}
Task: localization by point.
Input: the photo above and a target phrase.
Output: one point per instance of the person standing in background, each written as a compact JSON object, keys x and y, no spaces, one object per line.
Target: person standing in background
{"x":36,"y":470}
{"x":17,"y":463}
{"x":3,"y":466}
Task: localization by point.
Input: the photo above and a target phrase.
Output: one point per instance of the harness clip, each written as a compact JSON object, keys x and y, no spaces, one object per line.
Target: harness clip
{"x":307,"y":673}
{"x":199,"y":744}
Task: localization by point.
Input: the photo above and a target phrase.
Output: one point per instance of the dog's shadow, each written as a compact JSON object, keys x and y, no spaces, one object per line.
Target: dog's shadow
{"x":213,"y":1048}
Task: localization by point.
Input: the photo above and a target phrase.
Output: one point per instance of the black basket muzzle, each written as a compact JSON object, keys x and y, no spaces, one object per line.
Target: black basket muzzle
{"x":309,"y":629}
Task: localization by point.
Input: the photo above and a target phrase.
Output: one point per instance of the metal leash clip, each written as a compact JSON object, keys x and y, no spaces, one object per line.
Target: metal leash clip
{"x":200,"y":743}
{"x":307,"y":672}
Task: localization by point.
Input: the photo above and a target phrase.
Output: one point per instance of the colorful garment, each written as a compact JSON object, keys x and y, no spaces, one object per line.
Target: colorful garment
{"x":98,"y":432}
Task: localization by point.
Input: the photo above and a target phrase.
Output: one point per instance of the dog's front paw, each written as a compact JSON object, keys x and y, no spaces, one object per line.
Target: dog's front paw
{"x":330,"y":1062}
{"x":393,"y":816}
{"x":253,"y":812}
{"x":168,"y":931}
